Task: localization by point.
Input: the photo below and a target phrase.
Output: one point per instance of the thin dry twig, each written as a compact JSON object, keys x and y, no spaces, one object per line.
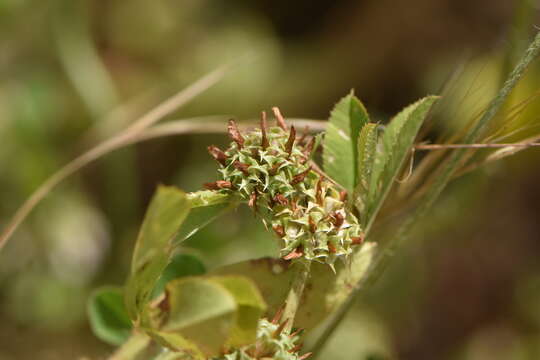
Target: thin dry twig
{"x":110,"y":144}
{"x":473,"y":146}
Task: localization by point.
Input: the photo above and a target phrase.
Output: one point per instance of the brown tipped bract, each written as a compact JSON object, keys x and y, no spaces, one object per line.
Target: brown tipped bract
{"x":264,"y":138}
{"x":217,"y":154}
{"x":290,"y":141}
{"x":298,"y":178}
{"x":234,"y":133}
{"x":279,"y":118}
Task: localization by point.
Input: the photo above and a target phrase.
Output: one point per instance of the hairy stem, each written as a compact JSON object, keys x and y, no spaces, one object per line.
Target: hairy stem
{"x":381,"y":262}
{"x":295,"y":294}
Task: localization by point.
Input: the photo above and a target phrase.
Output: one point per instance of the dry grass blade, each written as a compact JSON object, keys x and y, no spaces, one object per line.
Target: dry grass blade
{"x":127,"y":136}
{"x":432,"y":147}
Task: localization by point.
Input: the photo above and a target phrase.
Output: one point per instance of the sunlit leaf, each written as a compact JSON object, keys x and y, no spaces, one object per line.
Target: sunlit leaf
{"x":397,"y":141}
{"x":324,"y":292}
{"x":340,"y":142}
{"x":108,"y":316}
{"x":251,"y":307}
{"x":201,"y":311}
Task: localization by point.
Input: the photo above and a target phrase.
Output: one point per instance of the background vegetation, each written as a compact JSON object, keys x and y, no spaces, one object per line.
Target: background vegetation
{"x":73,"y":73}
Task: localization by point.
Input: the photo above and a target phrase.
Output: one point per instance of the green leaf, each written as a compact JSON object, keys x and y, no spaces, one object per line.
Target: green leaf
{"x":202,"y":312}
{"x":181,"y":265}
{"x":340,"y":148}
{"x":108,"y":316}
{"x":251,"y":307}
{"x":397,"y":141}
{"x":166,"y":213}
{"x":367,"y":146}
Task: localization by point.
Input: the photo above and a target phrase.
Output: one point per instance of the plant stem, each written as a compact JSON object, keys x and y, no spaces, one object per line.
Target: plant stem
{"x":169,"y":355}
{"x":381,"y":262}
{"x":295,"y":294}
{"x":131,"y":348}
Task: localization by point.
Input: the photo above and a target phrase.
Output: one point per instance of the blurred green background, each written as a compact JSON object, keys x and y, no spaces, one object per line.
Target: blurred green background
{"x":73,"y":73}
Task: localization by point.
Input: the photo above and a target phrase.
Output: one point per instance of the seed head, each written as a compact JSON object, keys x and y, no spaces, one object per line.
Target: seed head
{"x":268,"y":169}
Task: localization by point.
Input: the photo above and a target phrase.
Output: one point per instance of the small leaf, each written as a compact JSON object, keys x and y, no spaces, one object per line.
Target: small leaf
{"x":340,"y":148}
{"x":251,"y":307}
{"x":397,"y":140}
{"x":108,"y":316}
{"x":201,"y":311}
{"x":181,"y":265}
{"x":166,"y":213}
{"x":367,"y":146}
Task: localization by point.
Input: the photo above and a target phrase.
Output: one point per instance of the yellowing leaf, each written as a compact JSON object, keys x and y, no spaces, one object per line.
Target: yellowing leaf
{"x":251,"y":307}
{"x":202,"y":311}
{"x":324,"y":291}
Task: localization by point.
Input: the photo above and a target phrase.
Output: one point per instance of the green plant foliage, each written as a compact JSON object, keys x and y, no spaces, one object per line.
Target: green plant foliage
{"x":108,"y":316}
{"x":205,"y":314}
{"x":340,"y":142}
{"x":181,"y":265}
{"x":367,"y":147}
{"x":167,"y":211}
{"x":201,"y":311}
{"x":397,"y":141}
{"x":324,"y":291}
{"x":251,"y":307}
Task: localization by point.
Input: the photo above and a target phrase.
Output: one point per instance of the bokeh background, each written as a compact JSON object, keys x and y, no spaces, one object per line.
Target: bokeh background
{"x":73,"y":73}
